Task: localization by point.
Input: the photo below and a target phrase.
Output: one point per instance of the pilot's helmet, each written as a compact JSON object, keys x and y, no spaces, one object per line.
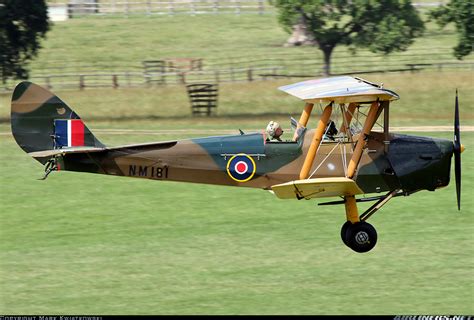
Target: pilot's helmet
{"x":272,"y":128}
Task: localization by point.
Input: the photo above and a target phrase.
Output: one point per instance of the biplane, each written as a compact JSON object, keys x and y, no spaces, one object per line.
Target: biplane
{"x":361,"y":157}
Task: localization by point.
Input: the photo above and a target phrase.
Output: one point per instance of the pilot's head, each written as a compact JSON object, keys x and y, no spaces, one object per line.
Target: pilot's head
{"x":274,"y":130}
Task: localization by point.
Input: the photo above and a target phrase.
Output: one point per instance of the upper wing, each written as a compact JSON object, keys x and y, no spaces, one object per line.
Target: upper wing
{"x":317,"y":188}
{"x":343,"y":89}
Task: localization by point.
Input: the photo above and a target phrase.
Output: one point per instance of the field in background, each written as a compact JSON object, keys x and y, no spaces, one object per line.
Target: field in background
{"x":427,"y":98}
{"x":99,"y":47}
{"x":92,"y":244}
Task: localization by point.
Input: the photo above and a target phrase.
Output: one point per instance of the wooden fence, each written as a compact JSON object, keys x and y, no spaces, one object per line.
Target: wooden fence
{"x":153,"y":7}
{"x":139,"y":79}
{"x":60,"y":10}
{"x":292,"y":61}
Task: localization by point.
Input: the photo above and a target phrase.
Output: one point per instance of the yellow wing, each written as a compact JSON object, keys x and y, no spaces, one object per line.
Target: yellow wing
{"x":317,"y":188}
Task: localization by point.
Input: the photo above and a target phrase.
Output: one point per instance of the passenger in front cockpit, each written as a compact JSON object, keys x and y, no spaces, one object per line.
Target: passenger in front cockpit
{"x":330,"y":131}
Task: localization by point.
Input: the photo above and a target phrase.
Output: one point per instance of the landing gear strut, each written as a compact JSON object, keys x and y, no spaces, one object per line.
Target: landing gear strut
{"x":356,"y":233}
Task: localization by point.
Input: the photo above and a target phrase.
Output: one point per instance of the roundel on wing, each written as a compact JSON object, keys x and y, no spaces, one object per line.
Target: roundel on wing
{"x":241,"y":167}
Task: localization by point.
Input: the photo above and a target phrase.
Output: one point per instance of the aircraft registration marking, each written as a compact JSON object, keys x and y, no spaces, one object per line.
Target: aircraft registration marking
{"x":154,"y":172}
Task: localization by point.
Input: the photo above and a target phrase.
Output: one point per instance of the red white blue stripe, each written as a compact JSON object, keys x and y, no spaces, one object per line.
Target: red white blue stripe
{"x":69,"y":132}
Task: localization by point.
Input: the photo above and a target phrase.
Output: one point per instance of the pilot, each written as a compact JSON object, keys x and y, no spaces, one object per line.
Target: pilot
{"x":331,"y":130}
{"x":274,"y":131}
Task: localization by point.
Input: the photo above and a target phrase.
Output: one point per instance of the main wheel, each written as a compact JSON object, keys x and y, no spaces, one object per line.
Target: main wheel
{"x":344,"y":228}
{"x":361,"y":237}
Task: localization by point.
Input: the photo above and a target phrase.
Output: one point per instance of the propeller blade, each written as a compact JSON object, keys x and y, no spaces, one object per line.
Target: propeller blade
{"x":457,"y":152}
{"x":457,"y":172}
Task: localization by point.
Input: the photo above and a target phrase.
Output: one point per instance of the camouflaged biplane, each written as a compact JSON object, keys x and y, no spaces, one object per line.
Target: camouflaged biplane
{"x":361,"y":157}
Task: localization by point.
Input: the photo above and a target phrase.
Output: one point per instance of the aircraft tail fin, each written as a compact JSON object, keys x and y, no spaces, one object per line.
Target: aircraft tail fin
{"x":41,"y":121}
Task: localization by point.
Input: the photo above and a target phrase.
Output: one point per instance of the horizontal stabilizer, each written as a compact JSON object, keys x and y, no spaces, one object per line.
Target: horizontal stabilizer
{"x":317,"y":188}
{"x":55,"y":152}
{"x":128,"y":148}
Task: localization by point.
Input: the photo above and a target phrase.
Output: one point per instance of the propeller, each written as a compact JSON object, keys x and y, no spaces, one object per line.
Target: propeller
{"x":457,"y":152}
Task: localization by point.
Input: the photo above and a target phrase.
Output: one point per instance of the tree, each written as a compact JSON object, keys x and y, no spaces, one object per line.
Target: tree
{"x":461,"y":13}
{"x":22,"y":25}
{"x":381,"y":26}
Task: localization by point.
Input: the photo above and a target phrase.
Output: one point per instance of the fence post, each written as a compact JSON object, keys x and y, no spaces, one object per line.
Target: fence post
{"x":147,"y":79}
{"x":82,"y":84}
{"x":193,"y":10}
{"x":148,"y":7}
{"x":216,"y":6}
{"x":182,"y":77}
{"x":115,"y":81}
{"x":237,"y":9}
{"x":216,"y":76}
{"x":127,"y":76}
{"x":250,"y":75}
{"x":171,"y":7}
{"x":48,"y":82}
{"x":260,"y":7}
{"x":127,"y":8}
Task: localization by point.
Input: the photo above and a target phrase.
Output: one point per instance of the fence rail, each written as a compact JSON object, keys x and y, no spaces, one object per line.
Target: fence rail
{"x":77,"y":8}
{"x":255,"y":66}
{"x":60,"y":10}
{"x":293,"y":60}
{"x":140,"y":79}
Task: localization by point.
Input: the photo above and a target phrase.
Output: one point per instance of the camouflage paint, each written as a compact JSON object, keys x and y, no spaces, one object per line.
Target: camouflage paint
{"x":409,"y":163}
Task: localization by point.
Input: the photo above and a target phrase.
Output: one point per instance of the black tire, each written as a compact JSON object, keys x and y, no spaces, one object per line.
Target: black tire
{"x":361,"y":237}
{"x":344,"y":228}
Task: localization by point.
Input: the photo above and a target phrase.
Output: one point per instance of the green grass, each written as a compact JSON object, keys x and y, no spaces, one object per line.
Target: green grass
{"x":117,"y":43}
{"x":426,"y":98}
{"x":92,"y":244}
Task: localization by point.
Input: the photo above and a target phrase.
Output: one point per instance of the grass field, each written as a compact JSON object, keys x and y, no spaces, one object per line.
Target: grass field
{"x":119,"y":43}
{"x":92,"y":244}
{"x":79,"y":243}
{"x":426,"y":98}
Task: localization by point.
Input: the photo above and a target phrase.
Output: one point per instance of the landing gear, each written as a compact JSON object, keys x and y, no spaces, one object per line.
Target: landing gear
{"x":344,"y":228}
{"x":360,"y":236}
{"x":356,"y":233}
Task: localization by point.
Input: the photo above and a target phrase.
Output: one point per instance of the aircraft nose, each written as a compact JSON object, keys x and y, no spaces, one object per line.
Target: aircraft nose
{"x":445,"y":146}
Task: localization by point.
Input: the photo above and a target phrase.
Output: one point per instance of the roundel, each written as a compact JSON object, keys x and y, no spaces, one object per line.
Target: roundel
{"x":241,"y":167}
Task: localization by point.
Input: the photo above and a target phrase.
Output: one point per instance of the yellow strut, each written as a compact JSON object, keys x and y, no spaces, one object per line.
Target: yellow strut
{"x":304,"y":118}
{"x":348,"y":114}
{"x":352,"y":214}
{"x":313,"y":148}
{"x":369,"y":123}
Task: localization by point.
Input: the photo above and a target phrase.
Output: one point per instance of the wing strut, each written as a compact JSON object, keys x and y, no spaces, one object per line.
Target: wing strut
{"x":318,"y":136}
{"x":348,"y":114}
{"x":304,"y":118}
{"x":369,"y":123}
